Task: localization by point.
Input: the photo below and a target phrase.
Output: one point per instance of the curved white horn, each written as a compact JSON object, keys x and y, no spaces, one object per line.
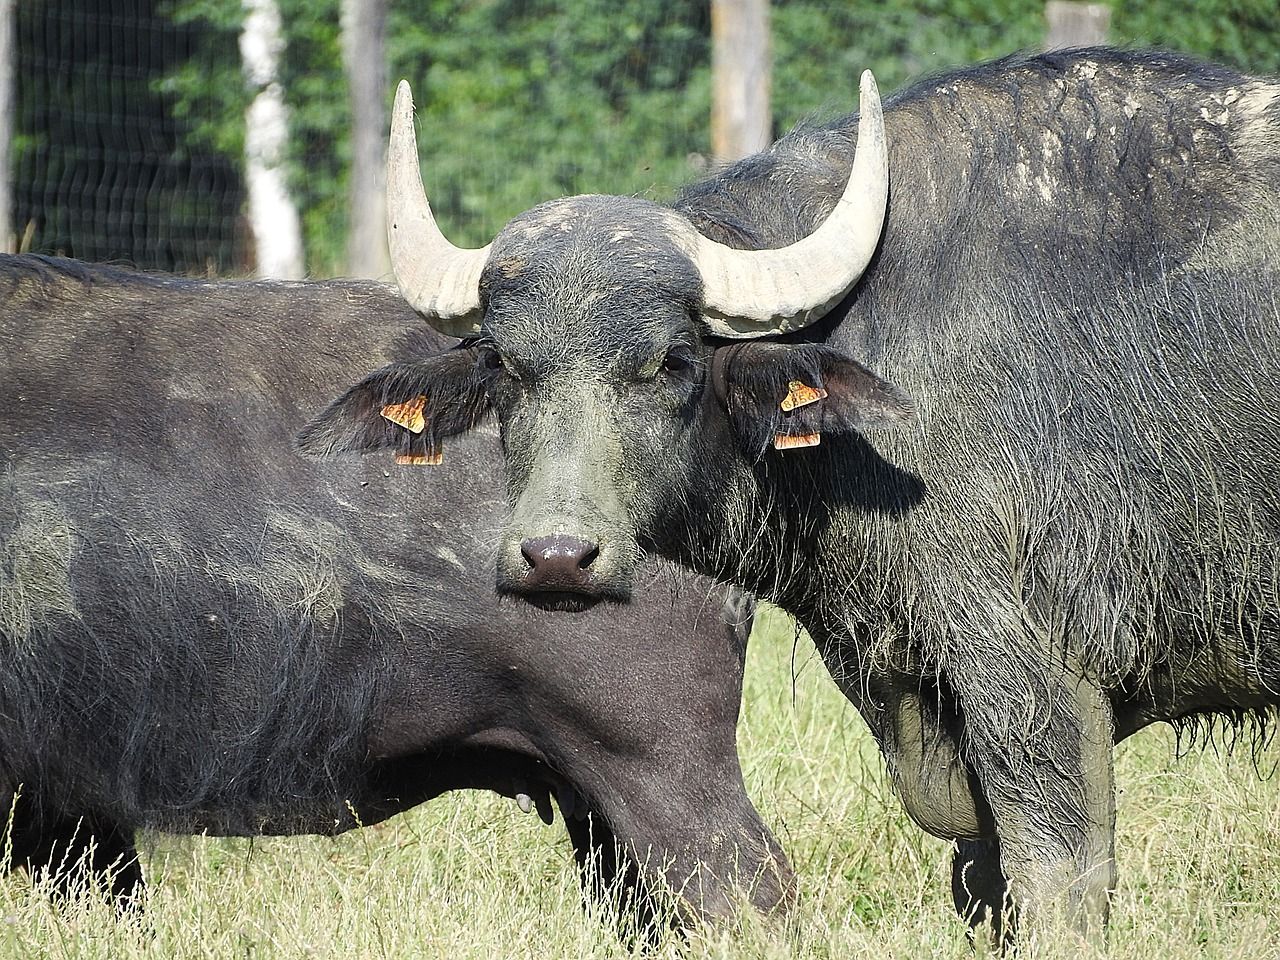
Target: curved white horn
{"x":754,"y":293}
{"x":439,"y":280}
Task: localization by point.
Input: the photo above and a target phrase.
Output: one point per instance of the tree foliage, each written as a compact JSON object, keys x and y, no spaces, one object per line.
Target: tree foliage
{"x":525,"y":100}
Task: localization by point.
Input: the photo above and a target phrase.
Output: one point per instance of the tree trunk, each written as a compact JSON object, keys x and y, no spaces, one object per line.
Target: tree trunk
{"x":741,"y":123}
{"x":8,"y":56}
{"x":363,"y":51}
{"x":273,"y":218}
{"x":1072,"y":24}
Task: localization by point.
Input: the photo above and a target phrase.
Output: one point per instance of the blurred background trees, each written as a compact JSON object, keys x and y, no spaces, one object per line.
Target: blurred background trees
{"x":129,"y":125}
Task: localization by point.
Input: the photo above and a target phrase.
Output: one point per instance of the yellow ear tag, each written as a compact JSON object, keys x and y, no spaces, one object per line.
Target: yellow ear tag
{"x":420,"y":459}
{"x":785,"y":442}
{"x":408,"y":415}
{"x":800,"y":395}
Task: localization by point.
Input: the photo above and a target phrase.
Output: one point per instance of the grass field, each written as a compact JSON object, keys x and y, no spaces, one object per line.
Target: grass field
{"x":469,"y":876}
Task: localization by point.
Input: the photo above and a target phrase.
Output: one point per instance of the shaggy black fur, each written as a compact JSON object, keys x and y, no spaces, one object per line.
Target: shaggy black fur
{"x":1076,"y":285}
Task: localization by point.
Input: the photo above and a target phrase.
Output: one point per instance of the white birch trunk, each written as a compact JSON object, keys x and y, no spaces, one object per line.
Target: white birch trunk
{"x":364,"y":56}
{"x":273,"y":218}
{"x":8,"y":55}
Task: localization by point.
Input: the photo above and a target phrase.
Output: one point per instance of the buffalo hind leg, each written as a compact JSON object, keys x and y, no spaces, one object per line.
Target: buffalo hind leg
{"x":71,"y":851}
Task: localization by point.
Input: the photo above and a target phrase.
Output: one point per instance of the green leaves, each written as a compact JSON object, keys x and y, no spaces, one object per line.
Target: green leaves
{"x":525,"y":100}
{"x":522,"y":101}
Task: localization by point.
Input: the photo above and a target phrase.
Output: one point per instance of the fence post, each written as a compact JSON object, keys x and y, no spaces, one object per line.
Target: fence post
{"x":273,"y":217}
{"x":1069,"y":23}
{"x":741,"y":122}
{"x":364,"y":52}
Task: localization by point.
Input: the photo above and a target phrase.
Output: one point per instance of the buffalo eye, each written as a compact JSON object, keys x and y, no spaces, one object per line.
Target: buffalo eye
{"x":677,"y":362}
{"x":492,"y":362}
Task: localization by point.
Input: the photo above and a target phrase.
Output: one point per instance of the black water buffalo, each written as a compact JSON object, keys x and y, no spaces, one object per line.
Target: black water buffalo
{"x":204,"y":631}
{"x":1050,"y":517}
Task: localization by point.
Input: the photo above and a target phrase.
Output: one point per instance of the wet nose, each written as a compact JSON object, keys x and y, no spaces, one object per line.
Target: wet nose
{"x":559,"y":561}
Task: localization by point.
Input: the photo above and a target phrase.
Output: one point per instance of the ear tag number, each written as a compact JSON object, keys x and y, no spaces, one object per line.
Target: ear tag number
{"x":787,"y":442}
{"x":407,"y":415}
{"x":420,"y":459}
{"x":799,"y":395}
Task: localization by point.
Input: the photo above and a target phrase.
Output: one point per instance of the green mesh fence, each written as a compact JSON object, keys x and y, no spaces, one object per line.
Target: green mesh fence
{"x":103,"y":168}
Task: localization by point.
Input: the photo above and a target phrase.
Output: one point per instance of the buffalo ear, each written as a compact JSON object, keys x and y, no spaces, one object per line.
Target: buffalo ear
{"x":791,"y":395}
{"x":406,"y":407}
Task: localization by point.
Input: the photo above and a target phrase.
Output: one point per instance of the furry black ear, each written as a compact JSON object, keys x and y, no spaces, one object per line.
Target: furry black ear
{"x":406,"y":407}
{"x":788,"y":396}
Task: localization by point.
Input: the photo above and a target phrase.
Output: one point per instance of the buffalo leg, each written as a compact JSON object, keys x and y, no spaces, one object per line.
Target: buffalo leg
{"x":979,"y":888}
{"x":608,"y":876}
{"x":919,"y":735}
{"x":1039,"y":737}
{"x":70,"y":850}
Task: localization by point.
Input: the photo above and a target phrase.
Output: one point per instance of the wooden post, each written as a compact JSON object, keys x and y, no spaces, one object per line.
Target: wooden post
{"x":1073,"y":24}
{"x":273,"y":217}
{"x":741,"y":122}
{"x":8,"y":103}
{"x":364,"y":25}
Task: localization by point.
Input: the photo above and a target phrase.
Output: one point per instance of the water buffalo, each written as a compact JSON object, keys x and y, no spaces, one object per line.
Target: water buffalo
{"x":1048,"y":518}
{"x":204,"y":631}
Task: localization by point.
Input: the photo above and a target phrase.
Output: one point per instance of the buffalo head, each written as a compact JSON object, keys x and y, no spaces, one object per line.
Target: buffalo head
{"x":621,"y":351}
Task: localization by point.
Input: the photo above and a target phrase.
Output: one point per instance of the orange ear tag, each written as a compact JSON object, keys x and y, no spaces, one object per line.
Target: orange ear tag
{"x":800,"y":395}
{"x":785,"y":442}
{"x":408,"y":415}
{"x":420,"y":459}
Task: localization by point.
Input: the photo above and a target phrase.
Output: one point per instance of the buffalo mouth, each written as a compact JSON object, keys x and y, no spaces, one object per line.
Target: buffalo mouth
{"x":561,"y":599}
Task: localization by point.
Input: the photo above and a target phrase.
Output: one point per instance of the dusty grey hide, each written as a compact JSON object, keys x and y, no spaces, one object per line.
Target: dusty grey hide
{"x":204,"y":631}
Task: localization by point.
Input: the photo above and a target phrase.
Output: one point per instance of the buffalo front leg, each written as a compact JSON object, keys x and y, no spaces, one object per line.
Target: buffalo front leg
{"x":979,"y":888}
{"x":921,"y":737}
{"x":918,"y":726}
{"x":1038,"y":735}
{"x":70,"y":850}
{"x":610,"y":877}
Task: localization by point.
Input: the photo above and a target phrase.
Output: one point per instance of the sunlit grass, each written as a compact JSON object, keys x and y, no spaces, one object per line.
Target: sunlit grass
{"x":469,"y":876}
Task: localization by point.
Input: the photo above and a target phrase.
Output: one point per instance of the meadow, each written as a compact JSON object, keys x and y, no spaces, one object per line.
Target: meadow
{"x":469,"y":876}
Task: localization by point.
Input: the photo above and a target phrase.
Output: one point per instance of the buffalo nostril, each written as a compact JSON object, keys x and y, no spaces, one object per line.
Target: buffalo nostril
{"x":560,"y":558}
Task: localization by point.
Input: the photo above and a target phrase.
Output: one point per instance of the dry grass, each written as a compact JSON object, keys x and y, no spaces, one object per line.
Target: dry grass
{"x":1199,"y":851}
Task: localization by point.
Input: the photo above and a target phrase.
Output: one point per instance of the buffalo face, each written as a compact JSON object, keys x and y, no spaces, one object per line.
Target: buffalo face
{"x":589,"y":351}
{"x":607,"y":335}
{"x":625,"y":425}
{"x":589,"y":321}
